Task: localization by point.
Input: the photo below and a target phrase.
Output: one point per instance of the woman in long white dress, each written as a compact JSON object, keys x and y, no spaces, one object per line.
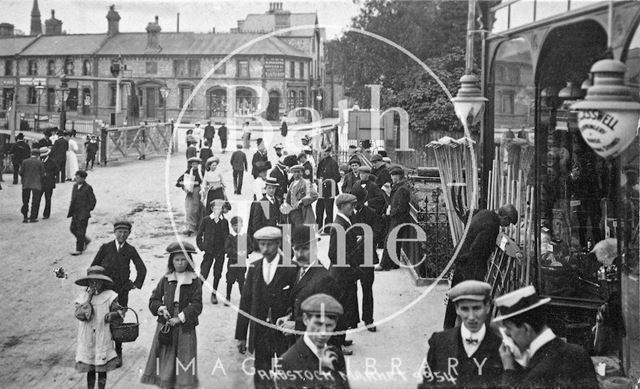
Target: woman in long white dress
{"x":72,"y":160}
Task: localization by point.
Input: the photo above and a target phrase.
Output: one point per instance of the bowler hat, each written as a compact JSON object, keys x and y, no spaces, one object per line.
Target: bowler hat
{"x":470,"y":290}
{"x":322,"y":304}
{"x":20,"y":136}
{"x":360,"y":193}
{"x":518,"y":302}
{"x":94,"y":273}
{"x":302,"y":235}
{"x":180,"y":247}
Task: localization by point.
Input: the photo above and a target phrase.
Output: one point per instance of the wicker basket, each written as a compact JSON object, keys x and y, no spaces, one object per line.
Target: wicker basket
{"x":126,"y":332}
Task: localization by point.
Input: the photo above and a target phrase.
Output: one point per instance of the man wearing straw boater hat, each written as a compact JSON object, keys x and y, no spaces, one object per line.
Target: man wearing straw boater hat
{"x":466,"y":354}
{"x":471,"y":263}
{"x":311,"y":362}
{"x":116,"y":258}
{"x":265,"y":298}
{"x":549,"y":362}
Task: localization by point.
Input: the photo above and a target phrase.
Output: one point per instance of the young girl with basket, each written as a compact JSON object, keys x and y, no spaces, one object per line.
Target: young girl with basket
{"x":96,"y":308}
{"x":177,"y":301}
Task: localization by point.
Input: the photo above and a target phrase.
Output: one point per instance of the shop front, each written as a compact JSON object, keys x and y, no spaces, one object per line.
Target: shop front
{"x":580,"y":211}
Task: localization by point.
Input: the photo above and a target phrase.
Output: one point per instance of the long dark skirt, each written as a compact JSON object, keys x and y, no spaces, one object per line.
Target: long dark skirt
{"x":173,"y":366}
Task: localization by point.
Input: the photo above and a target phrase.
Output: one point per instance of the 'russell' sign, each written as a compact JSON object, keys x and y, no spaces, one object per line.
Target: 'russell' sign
{"x":608,"y":133}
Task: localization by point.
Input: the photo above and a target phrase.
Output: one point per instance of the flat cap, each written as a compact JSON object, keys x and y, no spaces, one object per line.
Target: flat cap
{"x":355,"y":159}
{"x":364,"y":169}
{"x":175,"y":247}
{"x":470,"y":290}
{"x":376,"y":158}
{"x":271,"y":181}
{"x":397,"y":171}
{"x":268,"y":233}
{"x":296,"y":167}
{"x":194,"y":159}
{"x":345,"y":198}
{"x":322,"y":304}
{"x":278,"y":146}
{"x":122,"y":224}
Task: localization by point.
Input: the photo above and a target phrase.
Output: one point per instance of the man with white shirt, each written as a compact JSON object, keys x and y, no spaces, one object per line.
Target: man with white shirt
{"x":549,"y":361}
{"x":211,"y":237}
{"x":465,"y":356}
{"x":311,"y":362}
{"x":265,"y":298}
{"x":266,"y":211}
{"x":116,"y":257}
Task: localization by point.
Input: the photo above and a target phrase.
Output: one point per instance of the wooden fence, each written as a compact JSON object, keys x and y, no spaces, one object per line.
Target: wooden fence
{"x":137,"y":141}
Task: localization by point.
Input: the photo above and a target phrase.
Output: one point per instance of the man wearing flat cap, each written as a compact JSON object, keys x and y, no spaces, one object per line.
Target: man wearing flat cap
{"x":549,"y":362}
{"x":265,"y":298}
{"x":266,"y":211}
{"x":465,"y":356}
{"x":352,"y":176}
{"x":311,"y":362}
{"x":477,"y":247}
{"x":380,"y":171}
{"x":116,"y":258}
{"x":344,"y":246}
{"x":300,"y":196}
{"x":375,"y":197}
{"x":312,"y":277}
{"x":328,"y":175}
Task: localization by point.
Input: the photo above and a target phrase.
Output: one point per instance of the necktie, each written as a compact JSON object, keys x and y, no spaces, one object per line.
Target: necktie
{"x":300,"y":274}
{"x":471,"y":341}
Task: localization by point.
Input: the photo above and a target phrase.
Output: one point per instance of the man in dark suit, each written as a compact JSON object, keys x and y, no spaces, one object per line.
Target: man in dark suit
{"x":49,"y":179}
{"x":549,"y":362}
{"x":239,"y":166}
{"x":397,"y":214}
{"x":45,"y":141}
{"x":380,"y":171}
{"x":209,"y":133}
{"x":265,"y":298}
{"x":363,"y":214}
{"x":18,"y":152}
{"x":116,"y":257}
{"x":212,"y":235}
{"x":343,"y":240}
{"x":375,"y":197}
{"x":312,"y":277}
{"x":222,"y":134}
{"x":259,"y":157}
{"x":352,"y":176}
{"x":83,"y":201}
{"x":328,"y":177}
{"x":465,"y":356}
{"x":477,"y":247}
{"x":258,"y":217}
{"x":280,"y":174}
{"x":311,"y":362}
{"x":32,"y":173}
{"x":59,"y":154}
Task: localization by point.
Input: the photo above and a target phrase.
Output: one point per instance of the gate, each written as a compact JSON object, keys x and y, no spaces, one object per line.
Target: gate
{"x":138,"y":141}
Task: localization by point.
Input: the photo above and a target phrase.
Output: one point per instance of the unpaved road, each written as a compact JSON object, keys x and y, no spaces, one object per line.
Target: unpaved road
{"x":38,"y":330}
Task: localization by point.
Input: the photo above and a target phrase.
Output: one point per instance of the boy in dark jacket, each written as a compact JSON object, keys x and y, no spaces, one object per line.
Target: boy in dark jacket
{"x":83,"y":201}
{"x":235,"y":273}
{"x":211,"y":238}
{"x":239,"y":165}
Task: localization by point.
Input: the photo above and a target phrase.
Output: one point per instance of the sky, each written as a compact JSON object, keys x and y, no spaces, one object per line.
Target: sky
{"x":89,"y":16}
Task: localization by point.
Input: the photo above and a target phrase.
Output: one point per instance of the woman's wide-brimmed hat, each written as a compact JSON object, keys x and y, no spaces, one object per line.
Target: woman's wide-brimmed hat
{"x":194,"y":159}
{"x":94,"y":273}
{"x":44,"y":151}
{"x":212,"y":160}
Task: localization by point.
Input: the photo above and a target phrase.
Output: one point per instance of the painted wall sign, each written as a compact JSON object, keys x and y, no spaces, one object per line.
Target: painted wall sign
{"x":608,"y":133}
{"x":33,"y":81}
{"x":274,"y":68}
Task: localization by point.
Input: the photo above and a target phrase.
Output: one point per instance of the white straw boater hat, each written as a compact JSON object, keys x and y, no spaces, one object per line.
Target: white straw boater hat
{"x":518,"y":302}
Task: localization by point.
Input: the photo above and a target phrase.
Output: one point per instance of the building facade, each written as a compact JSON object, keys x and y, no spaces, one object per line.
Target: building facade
{"x":242,"y":74}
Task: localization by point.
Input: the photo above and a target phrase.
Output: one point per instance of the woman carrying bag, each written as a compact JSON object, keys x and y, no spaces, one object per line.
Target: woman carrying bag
{"x":177,"y":302}
{"x":190,"y":183}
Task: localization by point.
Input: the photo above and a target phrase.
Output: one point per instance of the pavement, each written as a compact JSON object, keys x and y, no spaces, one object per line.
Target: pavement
{"x":39,"y":330}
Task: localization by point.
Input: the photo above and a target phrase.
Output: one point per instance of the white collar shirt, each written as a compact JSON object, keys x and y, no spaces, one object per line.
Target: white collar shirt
{"x":471,"y":347}
{"x":269,"y":269}
{"x":342,"y":215}
{"x":311,"y":345}
{"x":119,"y":246}
{"x":545,"y":337}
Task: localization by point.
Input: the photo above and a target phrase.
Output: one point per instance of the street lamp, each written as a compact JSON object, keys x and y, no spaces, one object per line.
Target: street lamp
{"x":63,"y":90}
{"x":39,"y":89}
{"x":319,"y":98}
{"x":164,"y":91}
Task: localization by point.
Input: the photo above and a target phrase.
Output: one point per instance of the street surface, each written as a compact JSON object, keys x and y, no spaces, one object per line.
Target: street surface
{"x":38,"y":330}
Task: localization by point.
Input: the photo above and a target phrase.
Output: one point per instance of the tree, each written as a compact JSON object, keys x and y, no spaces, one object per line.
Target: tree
{"x":434,"y":31}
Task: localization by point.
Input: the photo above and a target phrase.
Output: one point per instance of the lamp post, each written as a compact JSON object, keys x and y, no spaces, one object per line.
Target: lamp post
{"x":63,"y":90}
{"x":319,"y":99}
{"x":39,"y":89}
{"x":164,"y":91}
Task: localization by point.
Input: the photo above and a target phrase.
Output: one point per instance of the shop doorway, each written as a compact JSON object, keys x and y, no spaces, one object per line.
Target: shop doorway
{"x":273,"y":110}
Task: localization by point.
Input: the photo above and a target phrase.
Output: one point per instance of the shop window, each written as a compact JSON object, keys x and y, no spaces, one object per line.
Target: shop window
{"x":506,"y":103}
{"x":8,"y":67}
{"x":217,"y":102}
{"x":86,"y":67}
{"x":51,"y":99}
{"x":292,"y":69}
{"x":68,"y":67}
{"x":32,"y":95}
{"x":222,"y":66}
{"x":51,"y":68}
{"x":291,"y":99}
{"x":151,"y":67}
{"x":184,"y":93}
{"x":33,"y":68}
{"x":7,"y":98}
{"x":243,"y":69}
{"x":247,"y":103}
{"x":72,"y":99}
{"x":194,"y":68}
{"x":179,"y":68}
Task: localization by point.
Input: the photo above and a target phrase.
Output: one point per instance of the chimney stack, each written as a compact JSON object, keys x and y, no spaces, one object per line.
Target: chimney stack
{"x":240,"y":25}
{"x":153,"y":32}
{"x":213,"y":30}
{"x":113,"y":21}
{"x":178,"y":22}
{"x":6,"y":30}
{"x":53,"y":26}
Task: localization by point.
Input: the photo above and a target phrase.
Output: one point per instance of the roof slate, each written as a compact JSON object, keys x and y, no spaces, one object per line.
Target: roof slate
{"x":72,"y":44}
{"x":267,"y":23}
{"x":14,"y":45}
{"x":189,"y":43}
